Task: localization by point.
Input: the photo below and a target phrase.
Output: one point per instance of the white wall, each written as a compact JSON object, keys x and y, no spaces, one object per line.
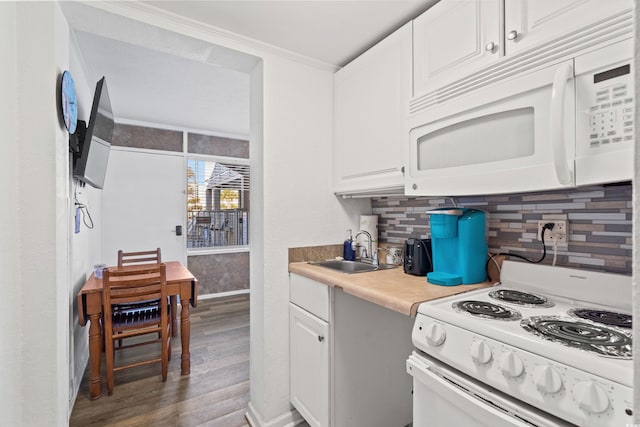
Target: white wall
{"x":85,"y":246}
{"x":34,"y":169}
{"x":256,"y":237}
{"x":636,"y":226}
{"x":38,"y":375}
{"x":35,"y":238}
{"x":11,"y":331}
{"x":297,"y":208}
{"x":61,"y":290}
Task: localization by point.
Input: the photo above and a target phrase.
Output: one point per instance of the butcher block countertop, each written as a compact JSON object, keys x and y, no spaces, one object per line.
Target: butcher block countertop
{"x":390,"y":288}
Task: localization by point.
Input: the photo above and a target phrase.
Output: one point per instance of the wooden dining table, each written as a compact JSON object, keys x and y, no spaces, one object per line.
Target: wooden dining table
{"x":180,"y":283}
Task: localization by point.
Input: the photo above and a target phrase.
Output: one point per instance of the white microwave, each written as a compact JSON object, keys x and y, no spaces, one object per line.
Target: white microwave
{"x":562,"y":124}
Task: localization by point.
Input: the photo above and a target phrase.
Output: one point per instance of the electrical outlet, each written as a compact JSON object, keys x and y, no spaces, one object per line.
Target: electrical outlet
{"x":557,"y":234}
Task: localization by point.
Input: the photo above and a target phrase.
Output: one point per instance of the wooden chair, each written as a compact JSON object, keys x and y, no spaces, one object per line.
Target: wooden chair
{"x":128,"y":286}
{"x":136,"y":258}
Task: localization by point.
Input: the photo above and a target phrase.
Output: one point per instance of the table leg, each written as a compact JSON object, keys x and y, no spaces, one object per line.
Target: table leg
{"x":185,"y":336}
{"x":95,"y":350}
{"x":174,"y":315}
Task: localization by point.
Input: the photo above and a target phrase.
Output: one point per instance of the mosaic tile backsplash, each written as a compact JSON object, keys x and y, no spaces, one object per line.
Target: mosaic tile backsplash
{"x":599,"y":231}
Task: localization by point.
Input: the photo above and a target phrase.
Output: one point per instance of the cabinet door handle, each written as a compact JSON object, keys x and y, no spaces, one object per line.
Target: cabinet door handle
{"x":320,"y":338}
{"x":512,"y":35}
{"x":490,"y":47}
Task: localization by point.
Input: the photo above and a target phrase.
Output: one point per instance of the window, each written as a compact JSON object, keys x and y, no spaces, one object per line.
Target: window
{"x":217,"y":203}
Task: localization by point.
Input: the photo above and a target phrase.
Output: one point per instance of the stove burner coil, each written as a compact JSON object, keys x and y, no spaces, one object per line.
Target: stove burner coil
{"x":605,"y":317}
{"x":521,"y":298}
{"x":486,"y":310}
{"x":586,"y":336}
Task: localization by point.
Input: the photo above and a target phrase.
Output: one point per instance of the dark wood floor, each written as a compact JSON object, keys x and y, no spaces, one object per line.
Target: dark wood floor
{"x":216,"y":393}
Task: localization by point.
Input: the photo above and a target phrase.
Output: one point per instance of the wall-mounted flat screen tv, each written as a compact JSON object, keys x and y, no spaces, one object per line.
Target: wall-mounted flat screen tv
{"x":91,"y":164}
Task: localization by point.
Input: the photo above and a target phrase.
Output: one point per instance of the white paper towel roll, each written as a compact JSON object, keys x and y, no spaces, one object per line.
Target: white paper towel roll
{"x":369,"y":223}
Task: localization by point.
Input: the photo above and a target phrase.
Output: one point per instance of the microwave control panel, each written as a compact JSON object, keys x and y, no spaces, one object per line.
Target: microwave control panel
{"x":611,"y":108}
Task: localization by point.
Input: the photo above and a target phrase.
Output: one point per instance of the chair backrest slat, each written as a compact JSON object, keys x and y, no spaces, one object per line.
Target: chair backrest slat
{"x":124,"y":295}
{"x":142,"y":257}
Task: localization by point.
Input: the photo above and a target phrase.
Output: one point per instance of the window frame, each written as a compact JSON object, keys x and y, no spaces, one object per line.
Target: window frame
{"x":216,"y":159}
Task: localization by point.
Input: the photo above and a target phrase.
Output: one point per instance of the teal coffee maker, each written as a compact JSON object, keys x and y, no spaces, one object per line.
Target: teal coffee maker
{"x":459,"y":246}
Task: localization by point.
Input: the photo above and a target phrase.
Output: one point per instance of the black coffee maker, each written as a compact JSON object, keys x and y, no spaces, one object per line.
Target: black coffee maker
{"x":417,"y":256}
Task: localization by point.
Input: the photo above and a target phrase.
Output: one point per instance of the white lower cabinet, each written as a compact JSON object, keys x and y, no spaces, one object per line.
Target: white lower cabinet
{"x":370,"y":384}
{"x":347,"y":359}
{"x":309,"y":349}
{"x":309,"y":365}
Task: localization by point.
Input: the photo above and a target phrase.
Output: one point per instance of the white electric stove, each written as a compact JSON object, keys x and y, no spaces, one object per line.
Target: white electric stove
{"x":547,"y":346}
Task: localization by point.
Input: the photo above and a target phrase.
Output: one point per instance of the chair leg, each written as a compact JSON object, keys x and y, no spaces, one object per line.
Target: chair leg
{"x":102,"y":336}
{"x":169,"y":341}
{"x":170,"y":335}
{"x":164,"y":356}
{"x":109,"y":356}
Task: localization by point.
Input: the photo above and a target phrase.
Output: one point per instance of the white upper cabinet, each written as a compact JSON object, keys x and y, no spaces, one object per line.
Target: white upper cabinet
{"x":454,"y":38}
{"x":371,"y":105}
{"x":455,"y":41}
{"x":531,"y":22}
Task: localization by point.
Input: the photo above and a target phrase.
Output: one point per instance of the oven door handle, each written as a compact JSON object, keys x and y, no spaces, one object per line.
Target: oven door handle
{"x":465,"y":401}
{"x":557,"y":120}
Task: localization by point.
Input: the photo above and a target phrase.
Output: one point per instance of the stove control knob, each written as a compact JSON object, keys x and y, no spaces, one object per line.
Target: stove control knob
{"x":511,"y":365}
{"x":591,"y":397}
{"x":480,"y":352}
{"x":436,"y":334}
{"x":547,"y":379}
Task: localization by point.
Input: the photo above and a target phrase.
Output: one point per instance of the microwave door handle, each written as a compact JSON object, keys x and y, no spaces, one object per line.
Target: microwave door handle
{"x":560,"y":161}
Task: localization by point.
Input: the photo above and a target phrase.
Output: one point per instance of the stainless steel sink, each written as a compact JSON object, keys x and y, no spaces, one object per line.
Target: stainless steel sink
{"x":351,"y":267}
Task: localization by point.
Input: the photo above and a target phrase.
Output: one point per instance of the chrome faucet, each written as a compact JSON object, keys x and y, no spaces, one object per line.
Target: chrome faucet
{"x":368,"y":256}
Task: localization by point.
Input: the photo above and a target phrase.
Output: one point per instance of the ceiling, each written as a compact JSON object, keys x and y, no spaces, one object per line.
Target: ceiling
{"x":329,"y":31}
{"x":155,"y":76}
{"x":154,"y":87}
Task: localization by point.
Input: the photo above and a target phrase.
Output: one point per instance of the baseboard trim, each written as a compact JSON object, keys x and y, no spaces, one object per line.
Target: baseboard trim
{"x":288,"y":419}
{"x":223,"y":294}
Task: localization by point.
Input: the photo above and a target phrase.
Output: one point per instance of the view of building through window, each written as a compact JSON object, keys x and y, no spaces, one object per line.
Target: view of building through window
{"x":217,"y":203}
{"x":230,"y":199}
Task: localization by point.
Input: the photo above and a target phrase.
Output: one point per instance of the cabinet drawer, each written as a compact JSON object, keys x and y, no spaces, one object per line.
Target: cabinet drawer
{"x":310,"y":295}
